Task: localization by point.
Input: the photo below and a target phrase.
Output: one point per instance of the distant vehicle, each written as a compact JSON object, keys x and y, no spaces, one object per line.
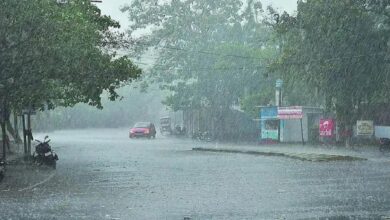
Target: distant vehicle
{"x":180,"y":131}
{"x":384,"y":144}
{"x":202,"y":136}
{"x":143,"y":129}
{"x":165,"y":125}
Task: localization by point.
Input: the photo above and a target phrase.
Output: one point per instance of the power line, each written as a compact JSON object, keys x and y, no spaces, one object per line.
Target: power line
{"x":257,"y":67}
{"x":196,"y":51}
{"x":201,"y":69}
{"x":260,"y":58}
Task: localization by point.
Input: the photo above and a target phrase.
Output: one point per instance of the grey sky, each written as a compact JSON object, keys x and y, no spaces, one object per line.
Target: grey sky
{"x":111,"y":7}
{"x":282,"y":5}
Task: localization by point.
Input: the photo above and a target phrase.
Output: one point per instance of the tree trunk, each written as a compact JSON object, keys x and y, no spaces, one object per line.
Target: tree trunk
{"x":16,"y":127}
{"x":13,"y":132}
{"x":348,"y":135}
{"x":29,"y":134}
{"x":24,"y":135}
{"x":4,"y":140}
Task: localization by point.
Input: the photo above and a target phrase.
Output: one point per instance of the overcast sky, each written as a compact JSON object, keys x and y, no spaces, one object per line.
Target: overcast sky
{"x":111,"y":7}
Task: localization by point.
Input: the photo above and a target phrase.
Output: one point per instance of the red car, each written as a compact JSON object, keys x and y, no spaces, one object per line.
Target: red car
{"x":143,"y":129}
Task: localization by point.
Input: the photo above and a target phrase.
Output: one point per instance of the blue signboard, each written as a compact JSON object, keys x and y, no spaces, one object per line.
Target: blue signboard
{"x":269,"y":113}
{"x":279,"y":83}
{"x":269,"y":123}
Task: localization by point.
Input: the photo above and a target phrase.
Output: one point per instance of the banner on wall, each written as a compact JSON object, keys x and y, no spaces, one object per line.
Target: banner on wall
{"x":365,"y":128}
{"x":327,"y":127}
{"x":293,"y":112}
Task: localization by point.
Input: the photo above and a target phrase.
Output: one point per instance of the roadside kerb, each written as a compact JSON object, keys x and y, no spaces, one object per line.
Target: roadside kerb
{"x":21,"y":175}
{"x":16,"y":158}
{"x":312,"y":157}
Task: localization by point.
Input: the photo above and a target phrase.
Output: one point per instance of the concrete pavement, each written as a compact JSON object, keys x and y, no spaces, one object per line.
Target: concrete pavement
{"x":299,"y":152}
{"x":313,"y":157}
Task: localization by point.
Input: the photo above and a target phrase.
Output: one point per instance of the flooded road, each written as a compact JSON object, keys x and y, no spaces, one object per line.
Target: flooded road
{"x":102,"y":174}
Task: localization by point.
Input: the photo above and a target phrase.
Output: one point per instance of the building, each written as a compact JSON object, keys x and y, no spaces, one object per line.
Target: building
{"x":289,"y":124}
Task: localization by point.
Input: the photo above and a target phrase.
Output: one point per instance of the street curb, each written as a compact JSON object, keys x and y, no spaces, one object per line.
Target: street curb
{"x":17,"y":173}
{"x":15,"y":159}
{"x":311,"y":157}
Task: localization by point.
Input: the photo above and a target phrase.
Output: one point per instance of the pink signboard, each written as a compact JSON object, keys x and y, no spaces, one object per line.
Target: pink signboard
{"x":326,"y":127}
{"x":293,"y":112}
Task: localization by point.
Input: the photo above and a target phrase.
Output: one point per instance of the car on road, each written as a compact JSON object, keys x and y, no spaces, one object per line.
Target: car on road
{"x":143,"y":129}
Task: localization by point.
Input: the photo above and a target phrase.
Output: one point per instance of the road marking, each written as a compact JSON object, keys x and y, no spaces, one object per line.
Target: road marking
{"x":40,"y":183}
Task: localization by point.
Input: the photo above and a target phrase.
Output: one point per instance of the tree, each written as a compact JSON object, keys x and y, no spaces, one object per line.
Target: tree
{"x":336,"y":48}
{"x":58,"y":54}
{"x":132,"y":106}
{"x":210,"y":54}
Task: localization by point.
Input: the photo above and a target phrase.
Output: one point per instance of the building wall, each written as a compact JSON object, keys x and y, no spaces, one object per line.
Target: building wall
{"x":291,"y":129}
{"x":232,"y":126}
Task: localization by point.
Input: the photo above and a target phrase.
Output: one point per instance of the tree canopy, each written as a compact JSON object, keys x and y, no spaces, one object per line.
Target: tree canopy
{"x":59,"y":54}
{"x":339,"y":49}
{"x":209,"y":53}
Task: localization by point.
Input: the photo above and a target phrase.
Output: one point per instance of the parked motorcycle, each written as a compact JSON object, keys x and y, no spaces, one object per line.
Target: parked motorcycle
{"x":384,"y":144}
{"x":180,"y":131}
{"x":44,"y":155}
{"x":2,"y":169}
{"x":202,"y":136}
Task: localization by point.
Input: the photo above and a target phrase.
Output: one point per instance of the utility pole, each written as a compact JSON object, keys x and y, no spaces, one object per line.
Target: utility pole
{"x":278,"y":101}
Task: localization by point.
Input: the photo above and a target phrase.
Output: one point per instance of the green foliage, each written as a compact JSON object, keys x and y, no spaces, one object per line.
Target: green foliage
{"x":263,"y":98}
{"x":337,"y":48}
{"x":210,"y":53}
{"x":58,"y":54}
{"x":134,"y":106}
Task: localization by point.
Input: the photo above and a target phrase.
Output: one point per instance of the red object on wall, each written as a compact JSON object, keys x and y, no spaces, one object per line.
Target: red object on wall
{"x":326,"y":127}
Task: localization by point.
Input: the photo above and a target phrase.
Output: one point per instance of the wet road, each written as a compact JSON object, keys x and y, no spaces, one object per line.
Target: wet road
{"x":104,"y":175}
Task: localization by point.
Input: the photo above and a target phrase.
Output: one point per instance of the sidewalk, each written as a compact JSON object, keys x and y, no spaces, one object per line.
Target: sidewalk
{"x":22,"y":175}
{"x":300,"y":152}
{"x":13,"y":157}
{"x":15,"y":154}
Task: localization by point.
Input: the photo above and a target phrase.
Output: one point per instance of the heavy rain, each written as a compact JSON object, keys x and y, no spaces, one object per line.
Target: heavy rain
{"x":194,"y":109}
